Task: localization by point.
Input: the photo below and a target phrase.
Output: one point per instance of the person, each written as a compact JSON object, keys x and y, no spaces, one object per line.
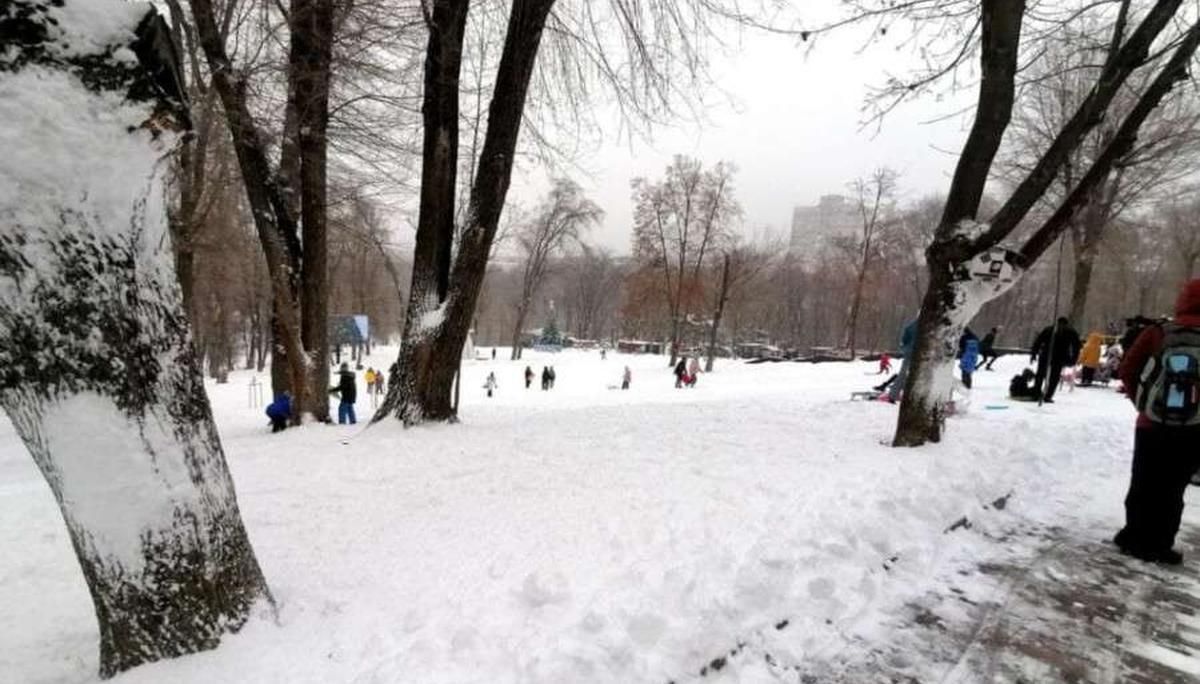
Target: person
{"x":1111,"y":365}
{"x":279,"y":411}
{"x":1050,"y":362}
{"x":885,"y":364}
{"x":908,"y":342}
{"x":987,"y":350}
{"x":603,"y":353}
{"x":693,"y":371}
{"x":1159,"y":369}
{"x":528,"y":377}
{"x":626,"y":377}
{"x":553,"y":377}
{"x":1089,"y":358}
{"x":379,"y":382}
{"x":965,"y":337}
{"x":493,"y":358}
{"x":347,"y":391}
{"x":966,"y":364}
{"x":1133,"y":327}
{"x":680,"y":371}
{"x":490,"y":385}
{"x":545,"y":378}
{"x":1022,"y":387}
{"x":369,"y":378}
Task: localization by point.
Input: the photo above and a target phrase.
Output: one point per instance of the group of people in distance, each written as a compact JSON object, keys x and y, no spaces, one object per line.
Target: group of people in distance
{"x":279,"y":411}
{"x":548,"y":377}
{"x":687,"y":372}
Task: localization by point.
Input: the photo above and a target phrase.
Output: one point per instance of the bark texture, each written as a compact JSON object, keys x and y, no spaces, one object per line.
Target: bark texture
{"x":97,"y":372}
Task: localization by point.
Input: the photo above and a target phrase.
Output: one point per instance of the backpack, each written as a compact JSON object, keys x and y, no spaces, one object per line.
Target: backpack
{"x":1168,"y":392}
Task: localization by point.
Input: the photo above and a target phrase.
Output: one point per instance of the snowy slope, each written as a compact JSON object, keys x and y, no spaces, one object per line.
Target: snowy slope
{"x":588,"y":534}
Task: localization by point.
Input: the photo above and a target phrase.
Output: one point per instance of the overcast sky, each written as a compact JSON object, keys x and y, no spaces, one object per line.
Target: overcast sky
{"x":791,"y":122}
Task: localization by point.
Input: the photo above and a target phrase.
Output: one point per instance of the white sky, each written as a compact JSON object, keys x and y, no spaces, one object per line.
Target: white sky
{"x":791,"y":122}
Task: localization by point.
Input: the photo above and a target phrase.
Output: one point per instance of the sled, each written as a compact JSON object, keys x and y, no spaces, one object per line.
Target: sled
{"x":869,"y":395}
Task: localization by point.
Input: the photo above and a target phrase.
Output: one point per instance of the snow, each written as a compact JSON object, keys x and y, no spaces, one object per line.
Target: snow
{"x":81,"y":427}
{"x":431,"y":320}
{"x":94,"y":26}
{"x":589,"y":534}
{"x":72,"y":149}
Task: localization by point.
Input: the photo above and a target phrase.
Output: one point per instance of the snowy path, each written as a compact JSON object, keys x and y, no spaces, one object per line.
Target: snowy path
{"x":595,"y":535}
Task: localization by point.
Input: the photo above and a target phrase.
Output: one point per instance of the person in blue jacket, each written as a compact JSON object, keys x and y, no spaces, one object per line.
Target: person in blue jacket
{"x":970,"y":356}
{"x":908,"y":340}
{"x":279,"y":411}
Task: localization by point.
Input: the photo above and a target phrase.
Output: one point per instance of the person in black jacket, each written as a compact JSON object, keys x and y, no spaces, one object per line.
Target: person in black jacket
{"x":680,"y":371}
{"x":1051,"y":361}
{"x":347,"y":391}
{"x":987,"y":350}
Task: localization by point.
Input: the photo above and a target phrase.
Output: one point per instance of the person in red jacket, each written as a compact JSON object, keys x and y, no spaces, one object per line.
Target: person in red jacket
{"x":1164,"y":456}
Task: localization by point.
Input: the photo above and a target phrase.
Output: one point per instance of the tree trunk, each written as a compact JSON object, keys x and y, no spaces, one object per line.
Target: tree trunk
{"x":273,"y":221}
{"x":855,"y":305}
{"x":948,"y":304}
{"x":437,"y":326}
{"x":716,"y":323}
{"x":674,"y":343}
{"x":1085,"y":262}
{"x":522,"y":312}
{"x":97,"y":372}
{"x":409,"y":391}
{"x":311,"y":49}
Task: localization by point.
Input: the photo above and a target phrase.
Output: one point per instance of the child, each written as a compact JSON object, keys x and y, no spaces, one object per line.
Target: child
{"x":970,"y":357}
{"x":885,"y":364}
{"x":490,"y":385}
{"x":626,"y":377}
{"x":279,"y":412}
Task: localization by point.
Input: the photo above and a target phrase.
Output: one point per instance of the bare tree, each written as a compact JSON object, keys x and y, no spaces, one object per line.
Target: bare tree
{"x":1165,"y":150}
{"x":309,"y":74}
{"x":99,"y":377}
{"x":661,"y":41}
{"x":676,"y":222}
{"x":741,"y":265}
{"x":1180,"y":222}
{"x":958,"y":287}
{"x":591,"y":286}
{"x":872,"y":197}
{"x":557,"y":224}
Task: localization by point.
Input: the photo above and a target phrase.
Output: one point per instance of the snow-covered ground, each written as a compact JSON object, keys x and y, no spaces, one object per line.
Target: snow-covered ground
{"x":589,"y":534}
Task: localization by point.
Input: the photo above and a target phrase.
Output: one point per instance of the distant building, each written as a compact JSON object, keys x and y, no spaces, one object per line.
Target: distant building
{"x":814,"y":226}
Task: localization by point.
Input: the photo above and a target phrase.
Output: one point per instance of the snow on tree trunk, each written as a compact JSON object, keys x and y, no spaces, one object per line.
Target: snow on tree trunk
{"x":97,"y":372}
{"x":953,"y":298}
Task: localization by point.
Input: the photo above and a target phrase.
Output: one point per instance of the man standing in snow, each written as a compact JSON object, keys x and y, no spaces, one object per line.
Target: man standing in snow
{"x":347,"y":391}
{"x":908,"y":340}
{"x":626,"y":378}
{"x":1161,"y":373}
{"x":987,"y":351}
{"x":1055,"y":348}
